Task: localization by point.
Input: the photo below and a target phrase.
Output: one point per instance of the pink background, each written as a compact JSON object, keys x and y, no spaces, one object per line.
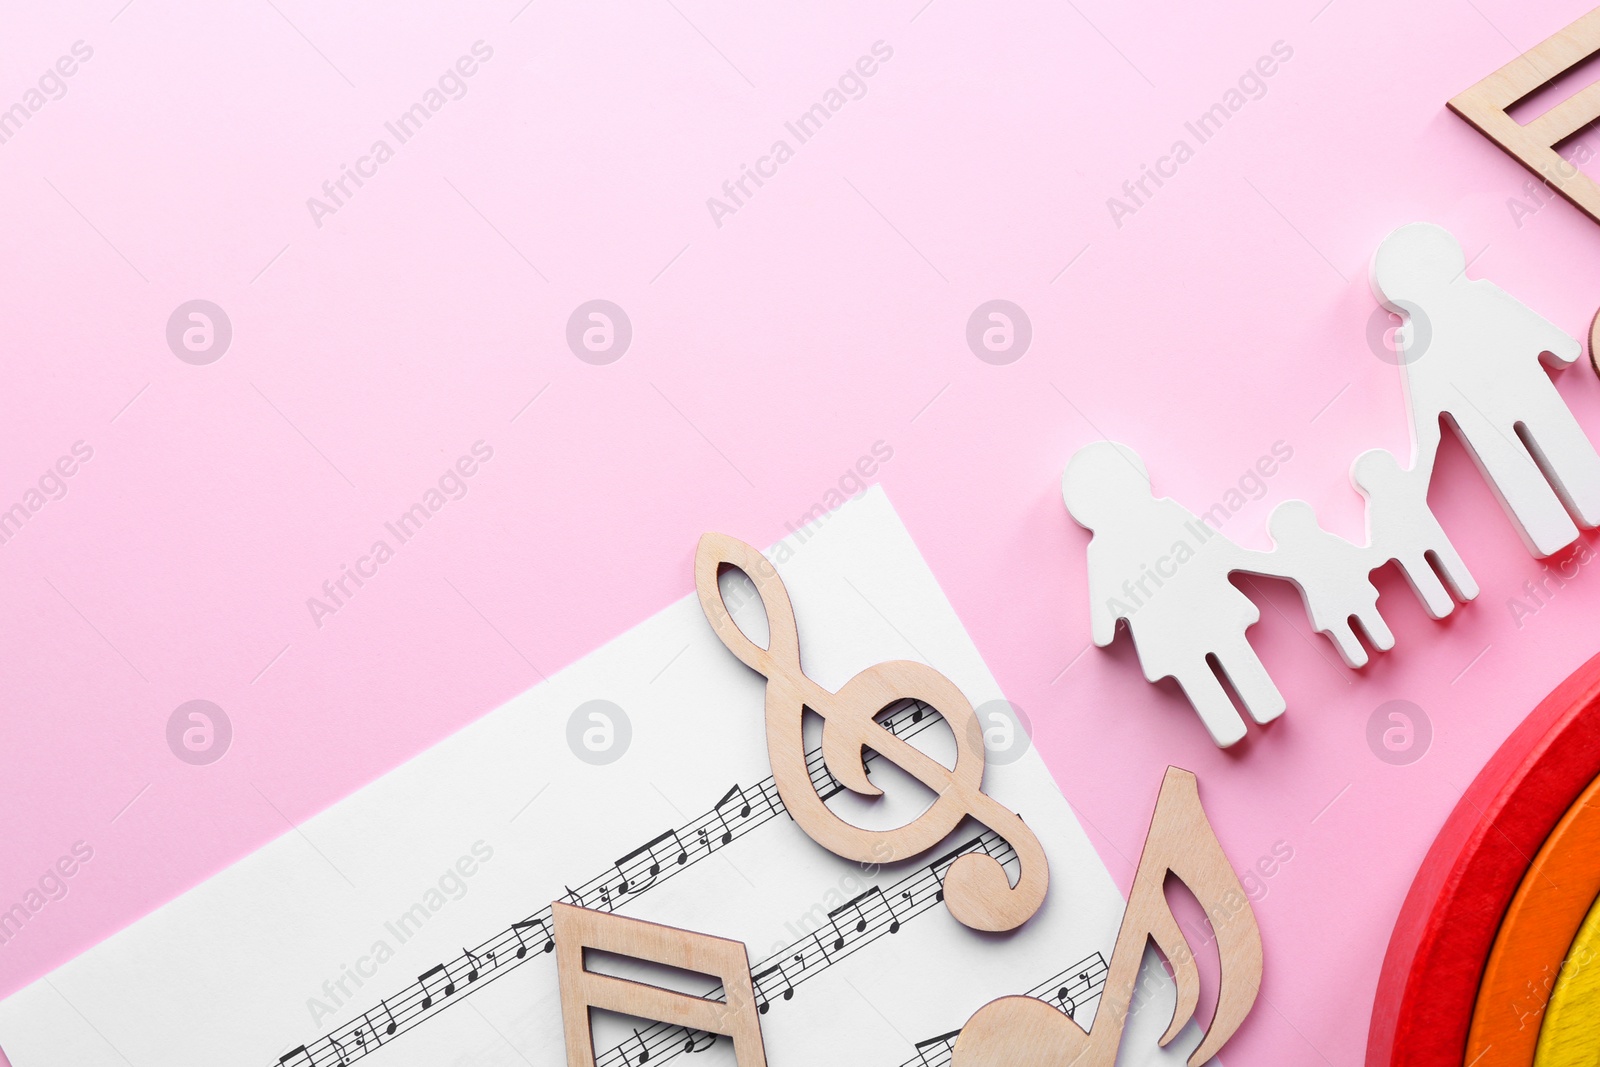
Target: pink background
{"x":829,"y":313}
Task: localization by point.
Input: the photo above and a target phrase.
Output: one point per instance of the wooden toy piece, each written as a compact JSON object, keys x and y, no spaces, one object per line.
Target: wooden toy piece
{"x":1473,"y":357}
{"x":1533,"y":143}
{"x":1570,"y":1036}
{"x":1538,"y":928}
{"x":578,"y":930}
{"x":1451,"y":915}
{"x":1158,"y":568}
{"x":977,"y":889}
{"x":1401,"y":527}
{"x":1594,"y":342}
{"x":1334,"y":579}
{"x":1022,"y":1030}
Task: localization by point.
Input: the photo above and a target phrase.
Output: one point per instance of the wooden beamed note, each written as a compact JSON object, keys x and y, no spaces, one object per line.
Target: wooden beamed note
{"x":580,"y":929}
{"x":1022,"y":1030}
{"x":1533,"y":145}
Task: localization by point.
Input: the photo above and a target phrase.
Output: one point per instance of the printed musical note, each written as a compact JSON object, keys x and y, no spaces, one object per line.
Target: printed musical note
{"x":389,"y":1030}
{"x":852,"y":909}
{"x":472,"y":973}
{"x":344,"y":1057}
{"x":427,"y":994}
{"x":1181,"y":842}
{"x":978,"y":892}
{"x":522,"y":943}
{"x":941,"y":869}
{"x":659,"y":852}
{"x":765,"y":979}
{"x":288,"y":1059}
{"x":734,"y":799}
{"x":1081,"y":987}
{"x":694,"y":1038}
{"x":643,"y":1053}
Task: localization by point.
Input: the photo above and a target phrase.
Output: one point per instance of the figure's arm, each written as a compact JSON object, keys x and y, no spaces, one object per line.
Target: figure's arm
{"x":1556,"y":347}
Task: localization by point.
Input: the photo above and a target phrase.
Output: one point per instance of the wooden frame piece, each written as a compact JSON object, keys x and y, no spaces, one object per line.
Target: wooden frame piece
{"x":977,"y":889}
{"x":1540,"y":925}
{"x":1533,"y":145}
{"x":1022,"y":1030}
{"x":1594,"y":342}
{"x":1447,"y":926}
{"x":580,"y":929}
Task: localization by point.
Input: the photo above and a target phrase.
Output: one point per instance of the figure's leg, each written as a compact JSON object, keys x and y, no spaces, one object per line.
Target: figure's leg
{"x":1212,"y":703}
{"x":1563,"y":450}
{"x":1425,"y":583}
{"x":1250,"y":680}
{"x":1453,"y":567}
{"x":1377,"y":629}
{"x":1344,"y":639}
{"x":1516,"y":479}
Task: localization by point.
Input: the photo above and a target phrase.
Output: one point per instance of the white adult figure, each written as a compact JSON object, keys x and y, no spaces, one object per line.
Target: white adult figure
{"x":1334,"y":579}
{"x":1472,"y":355}
{"x":1158,"y":568}
{"x":1401,"y":527}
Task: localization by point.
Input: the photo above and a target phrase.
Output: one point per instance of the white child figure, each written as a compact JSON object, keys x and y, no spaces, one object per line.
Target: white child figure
{"x":1333,"y":576}
{"x":1401,"y":527}
{"x":1472,"y":354}
{"x":1157,"y":567}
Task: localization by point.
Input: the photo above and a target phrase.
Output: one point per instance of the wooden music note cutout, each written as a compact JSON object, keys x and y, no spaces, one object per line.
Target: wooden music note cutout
{"x":578,"y":930}
{"x":1023,"y":1030}
{"x":977,"y":889}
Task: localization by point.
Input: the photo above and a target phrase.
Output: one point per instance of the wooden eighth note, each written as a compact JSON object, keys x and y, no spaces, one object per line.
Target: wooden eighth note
{"x":977,"y":889}
{"x":1015,"y":1030}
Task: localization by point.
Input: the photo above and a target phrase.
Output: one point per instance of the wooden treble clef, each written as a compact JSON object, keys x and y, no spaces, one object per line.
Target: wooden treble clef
{"x":977,"y":889}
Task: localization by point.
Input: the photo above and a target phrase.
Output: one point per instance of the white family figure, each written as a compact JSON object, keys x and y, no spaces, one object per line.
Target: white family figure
{"x":1159,"y":569}
{"x":1472,"y":355}
{"x":1333,"y":576}
{"x":1401,"y":527}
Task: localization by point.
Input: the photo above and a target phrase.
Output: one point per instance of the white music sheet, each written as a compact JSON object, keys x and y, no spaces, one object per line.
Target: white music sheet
{"x":405,"y":926}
